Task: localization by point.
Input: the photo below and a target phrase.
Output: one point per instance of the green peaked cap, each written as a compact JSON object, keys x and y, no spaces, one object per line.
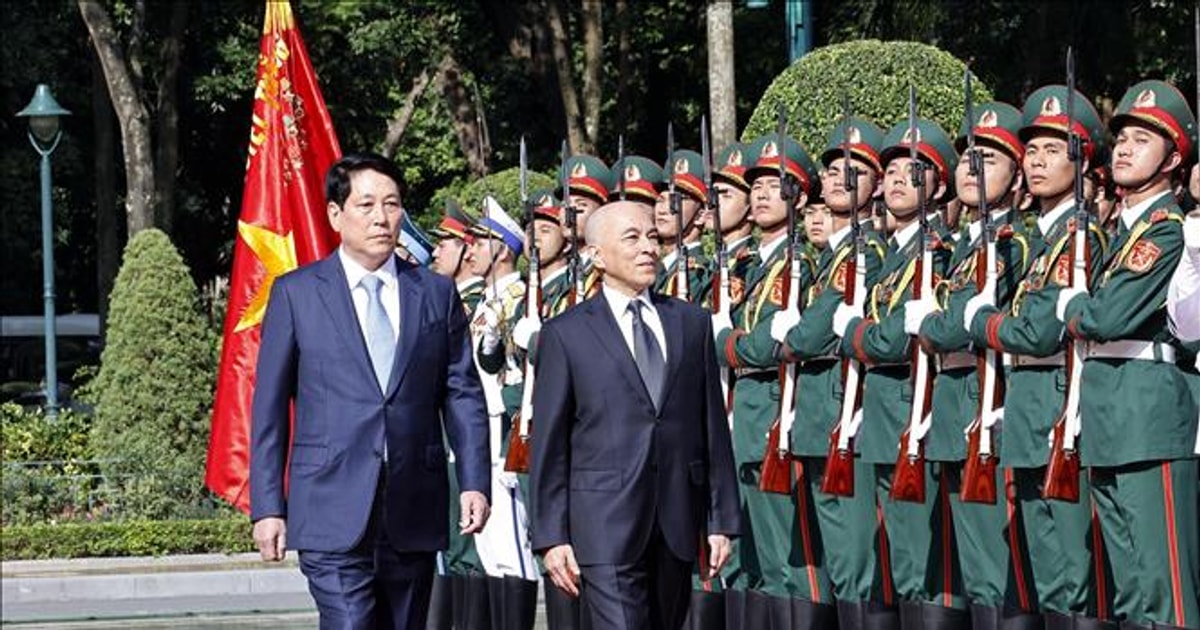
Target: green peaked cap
{"x":455,"y":224}
{"x":642,"y":177}
{"x":687,"y":169}
{"x":1160,"y":105}
{"x":1046,"y":109}
{"x":545,"y":205}
{"x":864,"y":137}
{"x":766,"y":152}
{"x":730,"y":165}
{"x":587,"y":175}
{"x":997,"y":124}
{"x":933,"y":144}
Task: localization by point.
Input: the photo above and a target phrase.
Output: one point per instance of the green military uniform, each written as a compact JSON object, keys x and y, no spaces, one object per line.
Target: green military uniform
{"x":1139,"y":418}
{"x":846,"y":525}
{"x":921,"y":545}
{"x":1050,"y":543}
{"x":979,"y":527}
{"x":687,"y":172}
{"x":765,"y":549}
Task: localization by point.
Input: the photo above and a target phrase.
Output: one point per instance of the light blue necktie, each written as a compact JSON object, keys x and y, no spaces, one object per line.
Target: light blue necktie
{"x":381,"y":342}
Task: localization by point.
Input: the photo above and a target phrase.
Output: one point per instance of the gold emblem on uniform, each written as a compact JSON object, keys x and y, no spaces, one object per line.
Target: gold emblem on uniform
{"x":776,"y":296}
{"x":737,"y":290}
{"x":1143,"y":256}
{"x":1051,"y":106}
{"x":1145,"y":99}
{"x":579,"y":170}
{"x":633,"y":173}
{"x":1062,"y":270}
{"x":989,"y":118}
{"x":838,"y":282}
{"x":681,"y":166}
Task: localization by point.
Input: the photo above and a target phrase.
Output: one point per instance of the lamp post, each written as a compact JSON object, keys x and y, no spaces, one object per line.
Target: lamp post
{"x":43,"y":113}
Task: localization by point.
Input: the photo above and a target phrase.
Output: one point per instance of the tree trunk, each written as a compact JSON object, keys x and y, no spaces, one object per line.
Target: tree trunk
{"x":561,"y":47}
{"x":593,"y":65}
{"x":462,"y":111}
{"x":624,"y":49}
{"x":132,"y":115}
{"x":722,"y":95}
{"x":167,"y":119}
{"x":398,"y":125}
{"x":108,"y":243}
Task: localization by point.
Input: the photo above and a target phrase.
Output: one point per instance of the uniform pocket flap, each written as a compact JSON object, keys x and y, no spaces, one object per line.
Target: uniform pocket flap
{"x":608,"y":479}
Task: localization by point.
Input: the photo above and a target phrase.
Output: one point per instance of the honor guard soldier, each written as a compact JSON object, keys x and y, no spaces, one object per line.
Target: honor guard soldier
{"x":589,"y":181}
{"x":846,"y":525}
{"x":412,"y":243}
{"x":1050,"y":542}
{"x":687,"y":171}
{"x":637,"y":179}
{"x":733,"y":196}
{"x":919,"y":529}
{"x":450,"y":254}
{"x":766,"y":551}
{"x":503,"y":544}
{"x":460,"y":563}
{"x":991,"y":150}
{"x":1139,"y":418}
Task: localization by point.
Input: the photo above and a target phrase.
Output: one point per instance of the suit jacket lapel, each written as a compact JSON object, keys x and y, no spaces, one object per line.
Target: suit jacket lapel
{"x":336,"y":297}
{"x":604,"y":326}
{"x":412,"y":305}
{"x":672,"y":324}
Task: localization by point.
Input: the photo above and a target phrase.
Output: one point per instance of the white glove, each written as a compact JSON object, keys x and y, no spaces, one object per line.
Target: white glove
{"x":1191,"y":234}
{"x":993,"y":421}
{"x":973,"y":305}
{"x":508,"y":479}
{"x":782,"y":322}
{"x":524,"y":331}
{"x":491,"y":329}
{"x":842,"y":317}
{"x":720,"y":323}
{"x":1064,"y":297}
{"x":915,"y":312}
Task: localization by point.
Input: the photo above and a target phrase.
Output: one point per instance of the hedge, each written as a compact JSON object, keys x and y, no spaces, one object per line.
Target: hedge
{"x":504,"y":185}
{"x":875,"y":75}
{"x":126,"y":538}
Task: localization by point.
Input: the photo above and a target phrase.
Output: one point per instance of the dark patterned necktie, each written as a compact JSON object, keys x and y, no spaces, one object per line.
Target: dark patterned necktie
{"x":647,"y":354}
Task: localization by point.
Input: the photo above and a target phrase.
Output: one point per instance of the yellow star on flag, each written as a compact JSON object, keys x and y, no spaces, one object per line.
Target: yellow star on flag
{"x":277,"y":253}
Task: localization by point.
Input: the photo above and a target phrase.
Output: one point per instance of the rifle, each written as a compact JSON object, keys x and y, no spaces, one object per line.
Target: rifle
{"x":839,"y":461}
{"x":1062,"y":470}
{"x":517,"y":459}
{"x":721,"y":290}
{"x":908,"y":481}
{"x":777,"y":459}
{"x":676,"y":205}
{"x":621,"y":166}
{"x":571,"y":216}
{"x":979,"y":472}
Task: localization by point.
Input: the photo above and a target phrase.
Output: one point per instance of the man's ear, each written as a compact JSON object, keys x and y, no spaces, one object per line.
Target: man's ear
{"x":334,"y":213}
{"x":597,"y":258}
{"x":801,"y":200}
{"x":1173,"y":162}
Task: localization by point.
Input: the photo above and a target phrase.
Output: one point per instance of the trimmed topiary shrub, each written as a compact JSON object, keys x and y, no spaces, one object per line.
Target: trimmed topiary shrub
{"x":127,"y":538}
{"x":153,"y":393}
{"x":875,"y":75}
{"x":504,"y":185}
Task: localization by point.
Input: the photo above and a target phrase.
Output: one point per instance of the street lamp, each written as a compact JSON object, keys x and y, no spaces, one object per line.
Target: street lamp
{"x":43,"y":113}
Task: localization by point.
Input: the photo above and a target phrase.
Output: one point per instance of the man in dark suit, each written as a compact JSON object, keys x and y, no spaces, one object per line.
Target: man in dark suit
{"x":632,"y":470}
{"x":370,"y":354}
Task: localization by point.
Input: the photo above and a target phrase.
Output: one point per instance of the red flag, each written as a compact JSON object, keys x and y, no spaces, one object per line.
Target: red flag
{"x":282,"y":226}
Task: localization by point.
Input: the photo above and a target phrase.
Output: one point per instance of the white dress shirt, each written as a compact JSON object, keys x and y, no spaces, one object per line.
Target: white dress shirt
{"x":1183,"y":296}
{"x":389,"y":293}
{"x":619,"y":303}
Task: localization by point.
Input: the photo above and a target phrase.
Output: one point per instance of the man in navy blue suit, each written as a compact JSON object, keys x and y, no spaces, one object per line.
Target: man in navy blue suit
{"x":370,"y":355}
{"x":632,"y":471}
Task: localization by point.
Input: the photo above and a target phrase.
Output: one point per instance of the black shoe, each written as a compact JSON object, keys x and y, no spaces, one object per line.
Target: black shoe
{"x":942,"y":618}
{"x":984,"y":617}
{"x":911,"y":617}
{"x":1092,"y":623}
{"x":735,"y":610}
{"x":877,"y":616}
{"x":440,"y":604}
{"x":780,"y":612}
{"x":757,"y":611}
{"x":850,"y":615}
{"x":472,"y":609}
{"x":520,"y":603}
{"x":808,"y":615}
{"x":1011,"y":620}
{"x":706,"y":611}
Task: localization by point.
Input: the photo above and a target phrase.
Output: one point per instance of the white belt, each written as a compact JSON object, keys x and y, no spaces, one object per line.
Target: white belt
{"x":1132,"y":349}
{"x":1058,"y":359}
{"x":955,"y":361}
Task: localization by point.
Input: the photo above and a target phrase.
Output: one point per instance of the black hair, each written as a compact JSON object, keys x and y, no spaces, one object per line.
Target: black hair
{"x":337,"y":179}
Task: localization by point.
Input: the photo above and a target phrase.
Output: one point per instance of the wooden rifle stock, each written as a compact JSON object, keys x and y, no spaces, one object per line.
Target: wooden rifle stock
{"x":979,"y":471}
{"x":839,"y":462}
{"x":517,"y":459}
{"x":908,"y":480}
{"x":1061,"y":481}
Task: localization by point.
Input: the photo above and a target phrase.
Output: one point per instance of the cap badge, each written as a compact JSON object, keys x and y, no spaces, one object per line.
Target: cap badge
{"x":1145,"y":99}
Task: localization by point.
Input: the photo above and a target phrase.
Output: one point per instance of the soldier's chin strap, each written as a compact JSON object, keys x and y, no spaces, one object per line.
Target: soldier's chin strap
{"x":1171,"y":150}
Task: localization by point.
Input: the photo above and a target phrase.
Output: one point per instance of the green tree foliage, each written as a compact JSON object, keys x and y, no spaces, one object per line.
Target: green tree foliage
{"x":154,"y":389}
{"x":505,"y":186}
{"x":875,"y":76}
